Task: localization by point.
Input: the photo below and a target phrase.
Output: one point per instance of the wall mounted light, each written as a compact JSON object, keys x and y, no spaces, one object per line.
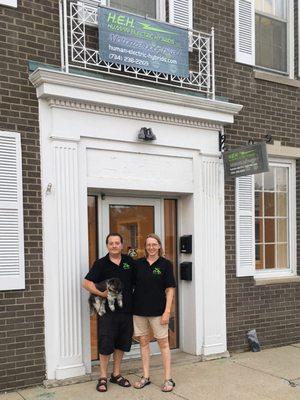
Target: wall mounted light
{"x":146,"y":134}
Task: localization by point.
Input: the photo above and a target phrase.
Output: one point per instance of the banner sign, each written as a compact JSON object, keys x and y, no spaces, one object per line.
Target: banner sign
{"x":246,"y":160}
{"x":134,"y":41}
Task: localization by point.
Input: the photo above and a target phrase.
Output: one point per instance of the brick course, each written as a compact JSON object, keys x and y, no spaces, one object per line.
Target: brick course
{"x":30,"y":32}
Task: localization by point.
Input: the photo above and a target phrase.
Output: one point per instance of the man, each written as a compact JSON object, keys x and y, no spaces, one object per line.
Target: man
{"x":115,"y":328}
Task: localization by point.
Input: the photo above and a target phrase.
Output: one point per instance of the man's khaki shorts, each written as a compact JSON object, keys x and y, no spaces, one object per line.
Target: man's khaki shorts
{"x":142,"y":327}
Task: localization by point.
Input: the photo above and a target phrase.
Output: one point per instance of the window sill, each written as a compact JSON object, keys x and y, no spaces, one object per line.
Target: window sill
{"x":283,"y":80}
{"x":9,"y":3}
{"x":273,"y":281}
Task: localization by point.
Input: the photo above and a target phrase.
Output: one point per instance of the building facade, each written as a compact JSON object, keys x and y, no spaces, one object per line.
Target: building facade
{"x":72,"y":168}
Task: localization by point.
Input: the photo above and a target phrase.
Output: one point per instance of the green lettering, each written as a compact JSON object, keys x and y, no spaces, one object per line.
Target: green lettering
{"x":111,"y":17}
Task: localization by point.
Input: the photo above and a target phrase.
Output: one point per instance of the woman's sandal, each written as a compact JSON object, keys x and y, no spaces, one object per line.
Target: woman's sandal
{"x":168,"y":383}
{"x":142,"y":383}
{"x":102,"y":382}
{"x":120,"y":380}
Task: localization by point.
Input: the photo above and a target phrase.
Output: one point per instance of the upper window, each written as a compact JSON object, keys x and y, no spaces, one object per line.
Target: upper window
{"x":139,"y":7}
{"x":264,"y":34}
{"x":271,"y":34}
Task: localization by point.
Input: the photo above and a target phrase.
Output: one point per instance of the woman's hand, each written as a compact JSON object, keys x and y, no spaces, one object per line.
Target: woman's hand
{"x":165,"y":318}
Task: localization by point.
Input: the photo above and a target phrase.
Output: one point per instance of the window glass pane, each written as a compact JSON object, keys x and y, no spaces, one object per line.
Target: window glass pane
{"x":282,"y":230}
{"x":259,"y":230}
{"x":258,"y":181}
{"x":259,"y":5}
{"x":259,"y":254}
{"x":269,"y":200}
{"x":270,"y":256}
{"x":140,"y":7}
{"x":269,"y":180}
{"x":281,"y":179}
{"x":270,"y":43}
{"x":282,"y":261}
{"x":259,"y":204}
{"x":269,"y":230}
{"x":268,"y":6}
{"x":281,"y":204}
{"x":280,"y":8}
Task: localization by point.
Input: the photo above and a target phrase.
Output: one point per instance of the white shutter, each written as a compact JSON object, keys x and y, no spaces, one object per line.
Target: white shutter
{"x":12,"y":274}
{"x":245,"y":31}
{"x":181,"y":13}
{"x":245,"y":219}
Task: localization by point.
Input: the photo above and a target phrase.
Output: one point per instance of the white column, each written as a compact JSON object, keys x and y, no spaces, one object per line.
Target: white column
{"x":213,"y":257}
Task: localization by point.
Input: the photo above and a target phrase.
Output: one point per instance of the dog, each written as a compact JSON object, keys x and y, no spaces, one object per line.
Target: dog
{"x":114,"y":288}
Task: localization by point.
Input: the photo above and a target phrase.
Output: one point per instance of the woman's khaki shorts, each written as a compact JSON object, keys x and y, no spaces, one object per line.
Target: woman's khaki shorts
{"x":142,"y":327}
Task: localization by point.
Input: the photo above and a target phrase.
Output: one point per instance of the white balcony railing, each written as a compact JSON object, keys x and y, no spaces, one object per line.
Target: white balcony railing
{"x":79,"y":45}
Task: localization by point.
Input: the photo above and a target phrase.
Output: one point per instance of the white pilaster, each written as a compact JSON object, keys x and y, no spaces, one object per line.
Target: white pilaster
{"x":213,"y":257}
{"x":70,"y":361}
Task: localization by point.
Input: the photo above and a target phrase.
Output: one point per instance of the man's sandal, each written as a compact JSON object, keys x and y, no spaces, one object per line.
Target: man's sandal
{"x":168,"y":385}
{"x":102,"y":385}
{"x":142,"y":383}
{"x":120,"y":380}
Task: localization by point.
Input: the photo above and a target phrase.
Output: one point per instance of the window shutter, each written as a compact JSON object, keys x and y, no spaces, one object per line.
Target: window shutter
{"x":181,"y":13}
{"x":12,"y":274}
{"x":245,"y":31}
{"x":245,"y":220}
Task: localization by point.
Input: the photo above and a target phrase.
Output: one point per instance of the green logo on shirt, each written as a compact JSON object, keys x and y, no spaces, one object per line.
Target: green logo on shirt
{"x":157,"y":271}
{"x":126,"y":266}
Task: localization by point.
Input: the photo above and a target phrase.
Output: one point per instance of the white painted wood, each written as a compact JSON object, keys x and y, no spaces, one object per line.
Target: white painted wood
{"x":65,"y":218}
{"x":212,"y":256}
{"x":136,"y":171}
{"x":94,"y":93}
{"x":291,"y":38}
{"x":9,"y":3}
{"x":181,"y":13}
{"x":245,"y":31}
{"x":298,"y":38}
{"x":245,"y":232}
{"x":12,"y":265}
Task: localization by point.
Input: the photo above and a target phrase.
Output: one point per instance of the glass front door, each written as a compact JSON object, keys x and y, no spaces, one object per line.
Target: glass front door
{"x":134,"y":219}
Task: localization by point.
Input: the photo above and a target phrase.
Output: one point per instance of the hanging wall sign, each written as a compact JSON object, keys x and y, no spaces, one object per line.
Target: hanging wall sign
{"x":246,"y":160}
{"x":134,"y":41}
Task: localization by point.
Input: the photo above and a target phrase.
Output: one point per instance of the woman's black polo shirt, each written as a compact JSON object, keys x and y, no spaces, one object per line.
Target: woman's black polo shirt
{"x":104,"y":268}
{"x":151,"y":282}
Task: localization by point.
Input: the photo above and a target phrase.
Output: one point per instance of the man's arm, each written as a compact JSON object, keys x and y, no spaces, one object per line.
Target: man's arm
{"x":90,"y":287}
{"x":169,"y":298}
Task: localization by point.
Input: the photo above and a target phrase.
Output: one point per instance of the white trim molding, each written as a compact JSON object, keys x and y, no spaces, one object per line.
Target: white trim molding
{"x":59,"y":84}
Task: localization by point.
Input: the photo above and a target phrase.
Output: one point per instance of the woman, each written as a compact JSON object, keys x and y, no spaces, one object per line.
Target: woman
{"x":153,"y":297}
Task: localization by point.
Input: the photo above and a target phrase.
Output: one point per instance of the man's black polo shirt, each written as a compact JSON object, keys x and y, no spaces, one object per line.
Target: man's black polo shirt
{"x":104,"y":268}
{"x":151,"y":282}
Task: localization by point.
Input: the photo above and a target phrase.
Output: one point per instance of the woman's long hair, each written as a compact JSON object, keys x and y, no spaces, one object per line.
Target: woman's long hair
{"x":157,"y":238}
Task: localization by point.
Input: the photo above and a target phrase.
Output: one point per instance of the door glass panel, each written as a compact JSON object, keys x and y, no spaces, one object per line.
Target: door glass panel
{"x":93,"y":255}
{"x":134,"y":223}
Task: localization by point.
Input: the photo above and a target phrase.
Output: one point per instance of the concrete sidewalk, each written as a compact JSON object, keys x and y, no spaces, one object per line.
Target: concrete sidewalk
{"x":272,"y":374}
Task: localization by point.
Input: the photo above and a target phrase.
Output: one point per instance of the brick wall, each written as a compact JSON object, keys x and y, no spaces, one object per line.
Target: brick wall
{"x":274,"y":310}
{"x":29,"y":32}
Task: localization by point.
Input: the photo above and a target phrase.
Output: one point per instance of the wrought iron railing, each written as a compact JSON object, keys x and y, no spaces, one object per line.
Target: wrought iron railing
{"x":79,"y":45}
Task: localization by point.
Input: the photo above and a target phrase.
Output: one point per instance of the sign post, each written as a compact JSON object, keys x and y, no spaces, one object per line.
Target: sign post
{"x":138,"y":42}
{"x":246,"y":160}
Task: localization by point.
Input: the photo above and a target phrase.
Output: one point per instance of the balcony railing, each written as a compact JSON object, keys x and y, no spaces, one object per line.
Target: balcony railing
{"x":79,"y":45}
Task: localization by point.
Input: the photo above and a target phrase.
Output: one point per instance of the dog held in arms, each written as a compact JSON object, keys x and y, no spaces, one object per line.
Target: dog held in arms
{"x":114,"y":292}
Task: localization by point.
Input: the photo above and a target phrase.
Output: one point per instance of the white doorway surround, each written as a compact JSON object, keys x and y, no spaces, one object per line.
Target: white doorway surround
{"x":88,"y":134}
